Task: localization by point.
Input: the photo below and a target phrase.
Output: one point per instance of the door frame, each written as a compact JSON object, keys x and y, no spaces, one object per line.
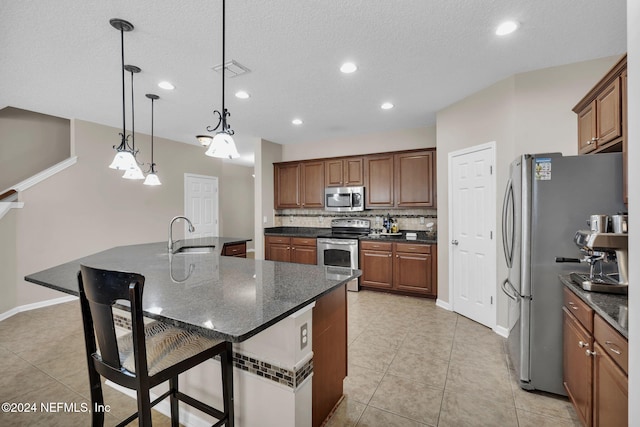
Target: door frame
{"x":493,"y":226}
{"x":186,"y":201}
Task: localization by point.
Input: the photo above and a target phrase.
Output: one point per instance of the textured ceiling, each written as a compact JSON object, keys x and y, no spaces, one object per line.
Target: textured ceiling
{"x":63,"y":58}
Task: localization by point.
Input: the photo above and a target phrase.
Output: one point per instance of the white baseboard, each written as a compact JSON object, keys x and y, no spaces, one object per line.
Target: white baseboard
{"x":36,"y":305}
{"x":443,"y":304}
{"x":502,"y":331}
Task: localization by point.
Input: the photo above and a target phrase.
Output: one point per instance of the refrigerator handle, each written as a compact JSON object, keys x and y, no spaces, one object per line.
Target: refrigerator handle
{"x":514,"y":296}
{"x":508,"y":249}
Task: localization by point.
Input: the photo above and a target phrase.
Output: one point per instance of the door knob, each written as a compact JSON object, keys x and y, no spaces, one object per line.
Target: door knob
{"x":454,"y":242}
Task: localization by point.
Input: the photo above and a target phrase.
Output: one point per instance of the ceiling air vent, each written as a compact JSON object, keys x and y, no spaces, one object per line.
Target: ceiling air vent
{"x":232,"y":69}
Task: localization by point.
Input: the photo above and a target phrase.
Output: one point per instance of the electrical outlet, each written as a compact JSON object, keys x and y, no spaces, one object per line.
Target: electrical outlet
{"x":319,"y":220}
{"x":290,"y":218}
{"x":421,"y":220}
{"x":304,"y":336}
{"x":264,"y":219}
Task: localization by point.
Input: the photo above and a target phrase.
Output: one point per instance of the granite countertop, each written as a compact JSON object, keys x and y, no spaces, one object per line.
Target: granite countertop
{"x":225,"y":297}
{"x":613,"y":308}
{"x":422,"y":236}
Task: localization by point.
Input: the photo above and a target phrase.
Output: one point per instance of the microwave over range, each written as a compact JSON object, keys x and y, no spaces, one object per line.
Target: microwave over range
{"x":344,"y":199}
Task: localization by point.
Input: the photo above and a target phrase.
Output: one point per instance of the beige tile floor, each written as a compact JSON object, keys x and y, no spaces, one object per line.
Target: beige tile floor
{"x":414,"y":364}
{"x":410,"y":364}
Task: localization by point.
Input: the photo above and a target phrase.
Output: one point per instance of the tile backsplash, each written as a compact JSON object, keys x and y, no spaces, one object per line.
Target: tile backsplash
{"x":408,"y":219}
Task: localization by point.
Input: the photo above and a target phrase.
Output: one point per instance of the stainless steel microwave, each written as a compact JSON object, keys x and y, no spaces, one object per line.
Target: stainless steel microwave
{"x":344,"y":199}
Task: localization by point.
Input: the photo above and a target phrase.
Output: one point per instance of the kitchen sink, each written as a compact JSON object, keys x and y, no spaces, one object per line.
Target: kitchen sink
{"x":195,"y":250}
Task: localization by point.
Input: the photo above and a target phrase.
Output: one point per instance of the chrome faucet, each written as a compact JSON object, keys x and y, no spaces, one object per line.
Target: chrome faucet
{"x":174,"y":219}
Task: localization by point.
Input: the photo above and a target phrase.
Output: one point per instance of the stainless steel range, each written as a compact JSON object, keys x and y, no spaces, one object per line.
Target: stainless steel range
{"x":340,"y":247}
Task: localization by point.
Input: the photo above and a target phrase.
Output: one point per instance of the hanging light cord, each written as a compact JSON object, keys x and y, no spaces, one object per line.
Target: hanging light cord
{"x":152,"y":163}
{"x":133,"y":120}
{"x":123,"y":145}
{"x":222,"y":117}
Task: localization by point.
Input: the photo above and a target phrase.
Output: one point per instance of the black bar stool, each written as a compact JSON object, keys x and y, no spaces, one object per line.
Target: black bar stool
{"x":150,"y":355}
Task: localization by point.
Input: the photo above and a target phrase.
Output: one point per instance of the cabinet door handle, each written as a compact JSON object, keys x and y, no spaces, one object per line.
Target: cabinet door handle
{"x":397,"y":256}
{"x":615,"y":350}
{"x":582,"y":344}
{"x":454,"y":242}
{"x":573,"y":306}
{"x":590,"y":353}
{"x":390,"y":255}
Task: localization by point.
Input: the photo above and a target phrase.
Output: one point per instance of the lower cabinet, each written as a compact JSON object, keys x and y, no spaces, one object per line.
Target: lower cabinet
{"x":595,"y":364}
{"x":301,"y":250}
{"x":399,"y":267}
{"x":238,"y":250}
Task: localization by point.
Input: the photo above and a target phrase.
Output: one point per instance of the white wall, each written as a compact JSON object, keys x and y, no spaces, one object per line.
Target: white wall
{"x":633,"y":66}
{"x":8,"y":257}
{"x":525,"y":113}
{"x":405,"y":139}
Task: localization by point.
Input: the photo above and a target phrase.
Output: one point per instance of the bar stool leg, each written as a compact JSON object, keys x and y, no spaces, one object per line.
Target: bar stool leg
{"x":226,"y":363}
{"x":173,"y":399}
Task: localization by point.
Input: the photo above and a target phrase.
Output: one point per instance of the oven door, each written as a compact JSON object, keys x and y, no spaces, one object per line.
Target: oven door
{"x":339,"y":253}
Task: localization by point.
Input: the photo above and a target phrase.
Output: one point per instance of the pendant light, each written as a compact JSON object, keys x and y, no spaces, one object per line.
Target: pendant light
{"x":125,"y":157}
{"x":152,"y":177}
{"x":134,"y":171}
{"x":222,"y":145}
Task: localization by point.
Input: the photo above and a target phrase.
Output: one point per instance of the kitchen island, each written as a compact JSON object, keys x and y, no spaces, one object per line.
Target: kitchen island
{"x":263,"y":307}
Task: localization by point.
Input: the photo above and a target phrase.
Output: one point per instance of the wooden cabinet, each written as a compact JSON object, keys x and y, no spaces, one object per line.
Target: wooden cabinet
{"x":577,"y":365}
{"x":595,"y":365}
{"x":238,"y":250}
{"x":376,"y":263}
{"x":287,"y":185}
{"x":404,"y":179}
{"x":312,"y":188}
{"x":329,"y":342}
{"x":399,"y":267}
{"x":304,"y":250}
{"x":414,"y":268}
{"x":301,"y":250}
{"x":415,"y":179}
{"x":299,"y":185}
{"x":344,"y":172}
{"x":379,"y":175}
{"x":401,"y":180}
{"x":602,"y":116}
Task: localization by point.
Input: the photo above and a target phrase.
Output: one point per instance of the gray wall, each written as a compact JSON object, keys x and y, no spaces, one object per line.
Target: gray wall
{"x":8,"y":263}
{"x":525,"y":113}
{"x":88,"y":207}
{"x":237,"y":201}
{"x":266,"y":154}
{"x":29,"y":143}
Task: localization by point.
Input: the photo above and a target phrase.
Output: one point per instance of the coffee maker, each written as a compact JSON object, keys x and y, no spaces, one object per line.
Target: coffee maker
{"x":603,"y":251}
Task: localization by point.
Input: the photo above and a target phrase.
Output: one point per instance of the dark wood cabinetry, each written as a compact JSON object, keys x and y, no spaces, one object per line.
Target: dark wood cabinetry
{"x":399,"y":267}
{"x":344,"y":172}
{"x":602,"y":116}
{"x":595,"y":365}
{"x":299,"y":185}
{"x":238,"y":250}
{"x":329,"y":353}
{"x":379,"y":175}
{"x":403,"y":179}
{"x":415,"y":179}
{"x":301,"y":250}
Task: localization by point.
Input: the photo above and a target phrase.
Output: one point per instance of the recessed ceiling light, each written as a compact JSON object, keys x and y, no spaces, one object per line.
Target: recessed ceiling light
{"x":166,"y":85}
{"x":387,"y":106}
{"x":506,"y":27}
{"x":296,"y":122}
{"x":348,"y":67}
{"x":242,"y":94}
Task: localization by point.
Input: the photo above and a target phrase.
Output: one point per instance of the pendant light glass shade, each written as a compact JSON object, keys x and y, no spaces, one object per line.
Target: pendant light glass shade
{"x":133,"y":173}
{"x":204,"y":140}
{"x":123,"y":160}
{"x":152,"y":179}
{"x":223,"y":147}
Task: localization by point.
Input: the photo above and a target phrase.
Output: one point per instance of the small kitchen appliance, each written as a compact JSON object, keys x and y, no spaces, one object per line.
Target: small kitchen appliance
{"x":344,"y":199}
{"x":599,"y":248}
{"x":340,"y":247}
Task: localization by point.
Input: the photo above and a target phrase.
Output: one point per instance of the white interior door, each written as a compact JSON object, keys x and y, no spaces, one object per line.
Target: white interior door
{"x":201,"y":204}
{"x":472,"y":210}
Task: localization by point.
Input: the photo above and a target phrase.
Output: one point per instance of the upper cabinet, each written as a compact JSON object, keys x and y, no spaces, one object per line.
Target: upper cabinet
{"x":299,"y":185}
{"x":403,"y":179}
{"x":602,"y":116}
{"x":344,"y":172}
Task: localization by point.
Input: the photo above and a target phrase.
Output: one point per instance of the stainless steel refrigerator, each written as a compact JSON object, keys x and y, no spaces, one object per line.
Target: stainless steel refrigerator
{"x":547,"y":199}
